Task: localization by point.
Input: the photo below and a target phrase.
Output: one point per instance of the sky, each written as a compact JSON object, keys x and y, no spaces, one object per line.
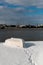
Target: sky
{"x":21,"y":12}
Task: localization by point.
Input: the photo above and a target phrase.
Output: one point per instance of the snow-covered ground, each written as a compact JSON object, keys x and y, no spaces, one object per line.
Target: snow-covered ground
{"x":31,"y":54}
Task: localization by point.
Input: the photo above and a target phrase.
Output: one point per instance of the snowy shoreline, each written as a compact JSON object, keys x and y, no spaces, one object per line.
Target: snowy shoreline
{"x":31,"y":54}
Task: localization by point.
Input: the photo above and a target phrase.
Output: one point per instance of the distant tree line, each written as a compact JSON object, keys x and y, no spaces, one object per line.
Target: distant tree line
{"x":4,"y":26}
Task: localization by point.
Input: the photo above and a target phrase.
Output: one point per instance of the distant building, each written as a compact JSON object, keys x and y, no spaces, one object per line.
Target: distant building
{"x":22,"y":26}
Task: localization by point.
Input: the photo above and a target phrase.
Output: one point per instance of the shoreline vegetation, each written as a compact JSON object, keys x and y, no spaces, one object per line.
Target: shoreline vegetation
{"x":4,"y":26}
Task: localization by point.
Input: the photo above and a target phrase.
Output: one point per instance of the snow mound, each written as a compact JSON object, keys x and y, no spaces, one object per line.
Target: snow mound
{"x":14,"y":42}
{"x":33,"y":55}
{"x":39,"y":60}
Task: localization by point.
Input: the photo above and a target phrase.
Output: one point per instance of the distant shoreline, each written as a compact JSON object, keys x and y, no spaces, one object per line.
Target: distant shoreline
{"x":4,"y":26}
{"x":13,"y":28}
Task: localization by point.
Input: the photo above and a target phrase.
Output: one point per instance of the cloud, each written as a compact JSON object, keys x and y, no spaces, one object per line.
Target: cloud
{"x":9,"y":16}
{"x":21,"y":11}
{"x":21,"y":2}
{"x":38,"y":3}
{"x":1,"y":7}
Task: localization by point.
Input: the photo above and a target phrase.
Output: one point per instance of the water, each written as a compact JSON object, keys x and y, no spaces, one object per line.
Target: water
{"x":26,"y":34}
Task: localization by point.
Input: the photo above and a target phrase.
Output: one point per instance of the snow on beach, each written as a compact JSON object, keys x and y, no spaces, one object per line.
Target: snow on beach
{"x":30,"y":54}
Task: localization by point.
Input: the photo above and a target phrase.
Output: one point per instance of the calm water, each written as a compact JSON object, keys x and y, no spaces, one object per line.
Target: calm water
{"x":26,"y":34}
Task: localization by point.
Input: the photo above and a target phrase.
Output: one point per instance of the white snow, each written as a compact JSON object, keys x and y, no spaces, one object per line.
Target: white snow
{"x":14,"y":42}
{"x":31,"y":54}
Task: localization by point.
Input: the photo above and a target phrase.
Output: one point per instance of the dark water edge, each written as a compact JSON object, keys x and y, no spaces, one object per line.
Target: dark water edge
{"x":33,"y":34}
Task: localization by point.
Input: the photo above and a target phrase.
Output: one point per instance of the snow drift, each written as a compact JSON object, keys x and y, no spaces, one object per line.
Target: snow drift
{"x":14,"y":42}
{"x":33,"y":55}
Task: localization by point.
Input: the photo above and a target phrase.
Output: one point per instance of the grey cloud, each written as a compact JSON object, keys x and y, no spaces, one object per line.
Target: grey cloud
{"x":11,"y":18}
{"x":15,"y":16}
{"x":21,"y":2}
{"x":25,"y":2}
{"x":38,"y":3}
